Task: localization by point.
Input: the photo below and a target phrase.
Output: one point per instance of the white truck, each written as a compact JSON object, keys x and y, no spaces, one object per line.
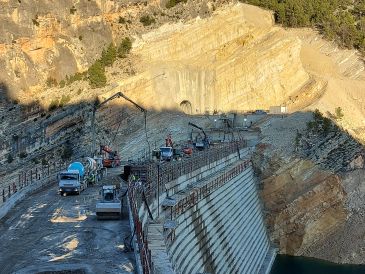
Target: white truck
{"x":72,"y":180}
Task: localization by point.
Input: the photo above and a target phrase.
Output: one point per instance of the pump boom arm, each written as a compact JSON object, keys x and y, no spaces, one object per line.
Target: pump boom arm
{"x":98,"y":105}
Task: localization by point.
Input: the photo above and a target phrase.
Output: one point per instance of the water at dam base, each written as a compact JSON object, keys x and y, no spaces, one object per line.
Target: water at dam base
{"x":285,"y":264}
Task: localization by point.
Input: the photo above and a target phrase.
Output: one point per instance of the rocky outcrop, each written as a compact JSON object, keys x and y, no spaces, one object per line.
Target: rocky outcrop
{"x":305,"y":204}
{"x":41,"y":39}
{"x":312,"y":188}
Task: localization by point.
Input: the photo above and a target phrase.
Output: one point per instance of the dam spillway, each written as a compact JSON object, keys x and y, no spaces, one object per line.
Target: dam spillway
{"x":200,"y":215}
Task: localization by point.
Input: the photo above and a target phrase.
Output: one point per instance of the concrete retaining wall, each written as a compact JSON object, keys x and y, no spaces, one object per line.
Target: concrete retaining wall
{"x":223,"y":233}
{"x":23,"y":193}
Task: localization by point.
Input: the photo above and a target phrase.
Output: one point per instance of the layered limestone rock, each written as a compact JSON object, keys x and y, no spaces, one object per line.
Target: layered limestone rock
{"x":305,"y":204}
{"x":312,"y":188}
{"x":234,"y":60}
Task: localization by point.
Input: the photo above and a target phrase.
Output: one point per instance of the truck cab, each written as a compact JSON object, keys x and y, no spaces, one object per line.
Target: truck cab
{"x":70,"y":181}
{"x":166,"y":153}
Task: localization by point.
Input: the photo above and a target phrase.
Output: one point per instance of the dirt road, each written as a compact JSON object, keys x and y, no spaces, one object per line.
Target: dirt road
{"x":47,"y":232}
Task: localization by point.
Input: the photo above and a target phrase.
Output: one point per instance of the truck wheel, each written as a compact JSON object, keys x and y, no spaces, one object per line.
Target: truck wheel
{"x":61,"y":193}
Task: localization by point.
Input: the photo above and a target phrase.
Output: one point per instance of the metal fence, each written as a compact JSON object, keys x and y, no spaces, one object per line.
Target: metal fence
{"x":30,"y":177}
{"x":141,"y":234}
{"x":150,"y":179}
{"x":155,"y":175}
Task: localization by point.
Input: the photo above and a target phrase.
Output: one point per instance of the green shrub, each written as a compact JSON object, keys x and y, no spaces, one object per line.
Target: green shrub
{"x":64,"y":100}
{"x":320,"y":124}
{"x":51,"y":82}
{"x":67,"y":152}
{"x":73,"y":10}
{"x":53,"y":105}
{"x":326,"y":125}
{"x":97,"y":76}
{"x":73,"y":78}
{"x":173,"y":3}
{"x":109,"y":55}
{"x":62,"y":83}
{"x":23,"y":155}
{"x":121,"y":20}
{"x":339,"y":113}
{"x":44,"y":162}
{"x":147,"y":20}
{"x":35,"y":21}
{"x":338,"y":20}
{"x":124,"y":47}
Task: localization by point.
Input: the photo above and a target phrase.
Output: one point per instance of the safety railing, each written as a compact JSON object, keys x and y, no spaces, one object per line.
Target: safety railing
{"x":149,"y":180}
{"x":28,"y":178}
{"x":155,"y":175}
{"x":134,"y":195}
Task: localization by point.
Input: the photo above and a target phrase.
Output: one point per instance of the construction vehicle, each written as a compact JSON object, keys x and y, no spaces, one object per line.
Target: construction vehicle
{"x":110,"y":206}
{"x":92,"y":170}
{"x":110,"y":158}
{"x":97,"y":105}
{"x":200,"y":142}
{"x":167,"y":152}
{"x":72,"y":180}
{"x":101,"y":170}
{"x":187,"y":150}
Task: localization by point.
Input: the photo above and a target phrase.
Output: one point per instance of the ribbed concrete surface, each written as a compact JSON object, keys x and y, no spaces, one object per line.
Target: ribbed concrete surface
{"x":223,"y":233}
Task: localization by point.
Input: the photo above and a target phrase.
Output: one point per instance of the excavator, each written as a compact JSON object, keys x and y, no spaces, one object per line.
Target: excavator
{"x":200,"y":143}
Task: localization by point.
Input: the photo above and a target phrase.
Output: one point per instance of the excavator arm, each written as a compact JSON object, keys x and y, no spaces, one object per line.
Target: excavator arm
{"x":194,"y":125}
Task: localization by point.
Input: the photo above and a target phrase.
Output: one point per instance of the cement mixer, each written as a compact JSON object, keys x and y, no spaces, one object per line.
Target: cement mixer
{"x":92,"y":170}
{"x":72,"y":180}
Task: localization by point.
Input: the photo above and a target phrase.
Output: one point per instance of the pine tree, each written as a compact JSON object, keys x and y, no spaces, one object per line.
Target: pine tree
{"x":97,"y":76}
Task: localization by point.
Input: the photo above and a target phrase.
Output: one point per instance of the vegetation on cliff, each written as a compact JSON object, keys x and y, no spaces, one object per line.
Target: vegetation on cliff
{"x":339,"y":20}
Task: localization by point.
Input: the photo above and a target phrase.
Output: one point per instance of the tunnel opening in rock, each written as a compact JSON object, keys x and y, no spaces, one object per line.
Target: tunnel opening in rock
{"x":186,"y":107}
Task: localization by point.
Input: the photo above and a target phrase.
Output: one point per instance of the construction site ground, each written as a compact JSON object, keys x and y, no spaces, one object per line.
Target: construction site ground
{"x":48,"y":233}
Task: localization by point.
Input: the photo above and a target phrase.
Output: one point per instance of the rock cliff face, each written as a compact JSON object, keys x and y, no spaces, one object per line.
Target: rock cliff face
{"x":41,"y":39}
{"x":312,"y":188}
{"x":305,"y":204}
{"x":234,"y":60}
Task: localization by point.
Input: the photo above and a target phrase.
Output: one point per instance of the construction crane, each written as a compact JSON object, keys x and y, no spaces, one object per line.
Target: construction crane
{"x":98,"y":105}
{"x":204,"y":143}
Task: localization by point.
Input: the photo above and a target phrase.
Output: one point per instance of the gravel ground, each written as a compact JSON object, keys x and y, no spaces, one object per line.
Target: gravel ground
{"x":47,"y":232}
{"x":281,"y":132}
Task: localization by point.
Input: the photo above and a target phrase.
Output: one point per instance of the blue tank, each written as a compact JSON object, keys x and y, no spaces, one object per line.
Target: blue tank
{"x":77,"y":166}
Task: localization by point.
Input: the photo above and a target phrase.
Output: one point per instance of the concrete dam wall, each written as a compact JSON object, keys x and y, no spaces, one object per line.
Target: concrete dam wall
{"x":206,"y":215}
